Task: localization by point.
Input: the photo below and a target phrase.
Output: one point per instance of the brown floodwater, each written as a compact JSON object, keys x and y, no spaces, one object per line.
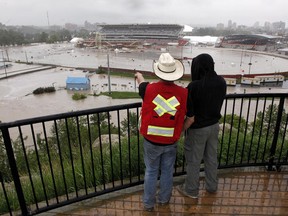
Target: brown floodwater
{"x":17,"y":101}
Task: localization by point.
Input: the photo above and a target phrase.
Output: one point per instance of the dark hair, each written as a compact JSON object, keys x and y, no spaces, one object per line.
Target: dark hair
{"x":202,"y":66}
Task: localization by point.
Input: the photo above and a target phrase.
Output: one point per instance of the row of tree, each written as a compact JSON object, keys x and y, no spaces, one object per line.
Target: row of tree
{"x":18,"y":35}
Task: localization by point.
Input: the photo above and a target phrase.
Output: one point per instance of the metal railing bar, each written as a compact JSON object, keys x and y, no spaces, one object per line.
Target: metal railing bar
{"x":28,"y":167}
{"x":71,"y":157}
{"x":230,"y":133}
{"x":129,"y":146}
{"x":260,"y":132}
{"x":5,"y":194}
{"x":120,"y":146}
{"x":283,"y":140}
{"x":81,"y":153}
{"x":39,"y":164}
{"x":101,"y":151}
{"x":253,"y":128}
{"x":138,"y":146}
{"x":238,"y":132}
{"x":50,"y":162}
{"x":267,"y":132}
{"x":276,"y":133}
{"x":111,"y":150}
{"x":91,"y":152}
{"x":14,"y":170}
{"x":223,"y":132}
{"x":246,"y":130}
{"x":61,"y":159}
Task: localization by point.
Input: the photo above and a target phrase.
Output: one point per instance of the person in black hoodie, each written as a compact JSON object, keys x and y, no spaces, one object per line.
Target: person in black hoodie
{"x":206,"y":94}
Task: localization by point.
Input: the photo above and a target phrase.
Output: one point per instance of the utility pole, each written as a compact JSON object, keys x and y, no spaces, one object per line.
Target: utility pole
{"x":26,"y":57}
{"x":4,"y":64}
{"x":135,"y":81}
{"x":48,"y":19}
{"x":108,"y":68}
{"x":250,"y":63}
{"x":7,"y":55}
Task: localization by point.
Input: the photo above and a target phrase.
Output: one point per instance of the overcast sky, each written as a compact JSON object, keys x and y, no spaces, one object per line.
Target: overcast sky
{"x":190,"y":12}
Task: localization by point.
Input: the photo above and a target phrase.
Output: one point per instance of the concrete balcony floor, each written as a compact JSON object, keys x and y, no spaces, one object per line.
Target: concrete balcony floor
{"x":249,"y":191}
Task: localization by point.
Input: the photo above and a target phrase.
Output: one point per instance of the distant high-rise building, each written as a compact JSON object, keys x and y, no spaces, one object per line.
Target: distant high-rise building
{"x":267,"y":26}
{"x":70,"y":26}
{"x":278,"y":26}
{"x":229,"y":24}
{"x":256,"y":25}
{"x":220,"y":26}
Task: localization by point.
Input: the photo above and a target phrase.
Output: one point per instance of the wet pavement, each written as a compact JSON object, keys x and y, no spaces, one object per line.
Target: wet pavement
{"x":249,"y":191}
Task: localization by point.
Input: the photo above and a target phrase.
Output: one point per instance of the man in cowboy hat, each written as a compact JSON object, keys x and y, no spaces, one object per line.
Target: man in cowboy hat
{"x":162,"y":118}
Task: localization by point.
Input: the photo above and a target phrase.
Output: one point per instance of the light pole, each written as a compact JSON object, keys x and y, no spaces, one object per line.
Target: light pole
{"x":4,"y":64}
{"x":108,"y":71}
{"x":250,"y":63}
{"x":26,"y":57}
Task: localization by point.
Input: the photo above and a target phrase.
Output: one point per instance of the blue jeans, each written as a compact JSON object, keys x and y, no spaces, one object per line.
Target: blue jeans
{"x":158,"y":158}
{"x":201,"y":144}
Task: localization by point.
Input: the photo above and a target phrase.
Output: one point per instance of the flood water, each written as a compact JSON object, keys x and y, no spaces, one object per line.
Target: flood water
{"x":17,"y":101}
{"x":226,"y":61}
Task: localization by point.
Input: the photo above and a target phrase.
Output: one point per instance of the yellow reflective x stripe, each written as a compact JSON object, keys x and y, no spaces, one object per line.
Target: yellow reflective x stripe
{"x":160,"y":131}
{"x":165,"y":106}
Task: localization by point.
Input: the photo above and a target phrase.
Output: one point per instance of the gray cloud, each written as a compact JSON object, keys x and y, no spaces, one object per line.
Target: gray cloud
{"x":194,"y":12}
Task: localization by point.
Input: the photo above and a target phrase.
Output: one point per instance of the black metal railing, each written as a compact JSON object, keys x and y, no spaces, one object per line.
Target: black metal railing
{"x":56,"y":160}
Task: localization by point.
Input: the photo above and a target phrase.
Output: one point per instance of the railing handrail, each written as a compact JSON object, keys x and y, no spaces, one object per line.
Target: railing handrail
{"x":255,"y":138}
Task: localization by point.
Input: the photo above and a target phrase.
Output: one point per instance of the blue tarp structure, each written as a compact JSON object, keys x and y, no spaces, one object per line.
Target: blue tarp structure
{"x":77,"y":83}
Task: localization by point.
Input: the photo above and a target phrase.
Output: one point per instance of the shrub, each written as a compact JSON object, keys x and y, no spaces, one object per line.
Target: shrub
{"x":78,"y":96}
{"x":43,"y":90}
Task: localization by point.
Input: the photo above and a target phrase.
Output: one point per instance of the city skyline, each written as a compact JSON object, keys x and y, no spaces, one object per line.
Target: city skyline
{"x":194,"y":13}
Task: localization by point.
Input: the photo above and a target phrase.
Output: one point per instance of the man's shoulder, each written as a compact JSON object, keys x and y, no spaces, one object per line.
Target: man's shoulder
{"x":181,"y":88}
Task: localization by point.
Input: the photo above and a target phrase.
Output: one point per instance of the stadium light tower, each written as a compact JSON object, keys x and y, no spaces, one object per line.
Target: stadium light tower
{"x":98,"y":40}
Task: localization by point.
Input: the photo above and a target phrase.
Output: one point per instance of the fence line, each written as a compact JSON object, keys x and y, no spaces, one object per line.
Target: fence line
{"x":51,"y":161}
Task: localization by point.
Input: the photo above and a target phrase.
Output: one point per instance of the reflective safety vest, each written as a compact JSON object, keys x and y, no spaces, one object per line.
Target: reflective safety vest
{"x":163,"y":112}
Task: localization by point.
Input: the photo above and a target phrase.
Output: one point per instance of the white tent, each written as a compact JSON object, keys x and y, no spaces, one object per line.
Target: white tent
{"x":76,"y":40}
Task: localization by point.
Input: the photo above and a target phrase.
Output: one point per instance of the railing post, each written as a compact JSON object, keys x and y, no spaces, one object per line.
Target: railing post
{"x":276,"y":134}
{"x":14,"y":170}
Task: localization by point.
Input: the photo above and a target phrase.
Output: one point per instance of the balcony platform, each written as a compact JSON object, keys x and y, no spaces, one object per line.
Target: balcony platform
{"x":247,"y":191}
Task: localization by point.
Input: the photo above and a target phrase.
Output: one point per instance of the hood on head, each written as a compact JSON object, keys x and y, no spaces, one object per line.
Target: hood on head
{"x":202,"y":66}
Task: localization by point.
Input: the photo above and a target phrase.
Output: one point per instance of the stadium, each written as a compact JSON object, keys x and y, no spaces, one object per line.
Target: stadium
{"x":249,"y":42}
{"x":135,"y":35}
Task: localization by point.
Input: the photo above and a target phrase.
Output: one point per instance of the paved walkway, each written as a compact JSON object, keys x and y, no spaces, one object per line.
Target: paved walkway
{"x":246,"y":192}
{"x":31,"y":69}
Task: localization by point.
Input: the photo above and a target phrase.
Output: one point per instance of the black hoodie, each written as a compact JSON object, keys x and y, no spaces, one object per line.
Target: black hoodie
{"x":206,"y":92}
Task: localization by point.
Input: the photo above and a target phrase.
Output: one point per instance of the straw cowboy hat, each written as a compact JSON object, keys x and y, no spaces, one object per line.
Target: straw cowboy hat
{"x":167,"y":68}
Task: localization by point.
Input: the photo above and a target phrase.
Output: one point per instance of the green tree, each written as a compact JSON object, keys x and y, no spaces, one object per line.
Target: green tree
{"x":70,"y":132}
{"x":4,"y":165}
{"x":132,"y":124}
{"x":235,"y":121}
{"x":43,"y":37}
{"x":267,"y":121}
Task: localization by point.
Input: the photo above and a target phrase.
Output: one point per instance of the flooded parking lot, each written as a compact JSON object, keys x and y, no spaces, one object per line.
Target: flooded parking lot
{"x":17,"y":101}
{"x":226,"y":61}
